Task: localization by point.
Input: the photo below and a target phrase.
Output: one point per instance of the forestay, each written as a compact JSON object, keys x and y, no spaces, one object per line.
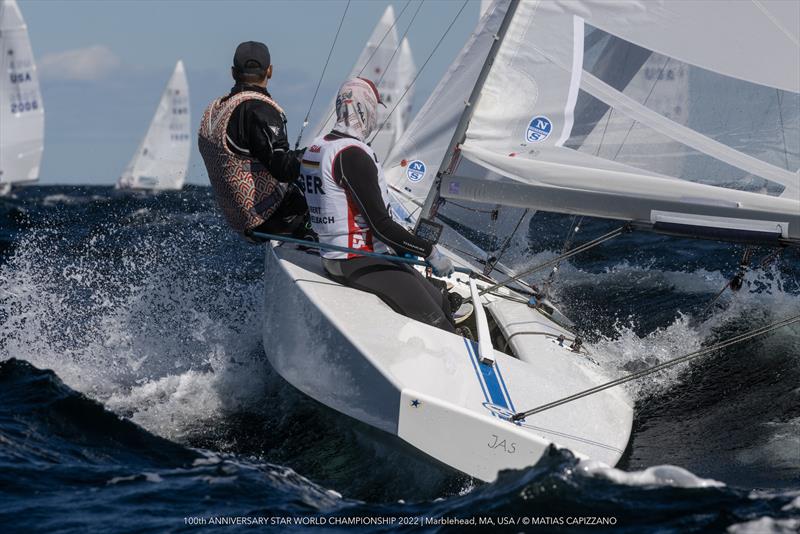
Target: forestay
{"x":21,"y":108}
{"x":663,"y":113}
{"x":162,"y":159}
{"x":390,"y":65}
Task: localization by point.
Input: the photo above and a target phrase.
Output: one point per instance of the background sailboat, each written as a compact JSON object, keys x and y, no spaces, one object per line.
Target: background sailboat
{"x":21,"y":107}
{"x":389,"y":63}
{"x":162,"y":159}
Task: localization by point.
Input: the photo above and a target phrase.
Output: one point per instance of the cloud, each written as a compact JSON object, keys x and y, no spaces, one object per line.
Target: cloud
{"x":85,"y":64}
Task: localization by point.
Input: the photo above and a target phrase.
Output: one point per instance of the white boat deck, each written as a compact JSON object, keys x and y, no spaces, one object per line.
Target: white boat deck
{"x":350,"y":351}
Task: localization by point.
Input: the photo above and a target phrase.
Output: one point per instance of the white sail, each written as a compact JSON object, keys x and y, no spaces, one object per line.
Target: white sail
{"x":406,"y":70}
{"x":21,"y":108}
{"x":412,"y":164}
{"x":162,"y":159}
{"x":564,"y":121}
{"x":378,"y":62}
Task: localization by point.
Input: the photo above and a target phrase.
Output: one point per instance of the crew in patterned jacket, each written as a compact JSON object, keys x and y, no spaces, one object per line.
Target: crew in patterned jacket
{"x":244,"y":146}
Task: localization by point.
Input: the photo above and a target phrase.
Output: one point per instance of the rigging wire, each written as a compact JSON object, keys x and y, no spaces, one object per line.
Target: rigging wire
{"x":494,"y":261}
{"x":660,"y":367}
{"x":399,"y":43}
{"x":321,"y":76}
{"x":783,"y":129}
{"x":378,"y":47}
{"x":574,"y":229}
{"x":577,"y":250}
{"x":435,"y":48}
{"x":735,"y":282}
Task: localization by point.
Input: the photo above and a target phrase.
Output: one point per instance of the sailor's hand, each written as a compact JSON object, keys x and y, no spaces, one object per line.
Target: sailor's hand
{"x":298,"y":154}
{"x":441,"y":264}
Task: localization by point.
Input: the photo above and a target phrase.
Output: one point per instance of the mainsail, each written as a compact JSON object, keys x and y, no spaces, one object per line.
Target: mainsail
{"x":660,"y":113}
{"x":387,"y":62}
{"x":162,"y":159}
{"x":21,"y":107}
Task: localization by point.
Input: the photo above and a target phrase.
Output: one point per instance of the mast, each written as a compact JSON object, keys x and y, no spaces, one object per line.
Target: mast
{"x":429,"y":208}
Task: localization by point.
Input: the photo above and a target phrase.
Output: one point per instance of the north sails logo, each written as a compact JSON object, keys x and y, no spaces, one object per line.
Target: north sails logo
{"x":416,"y":171}
{"x":538,"y":129}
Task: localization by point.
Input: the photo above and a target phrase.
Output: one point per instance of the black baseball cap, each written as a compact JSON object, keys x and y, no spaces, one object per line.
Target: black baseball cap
{"x":251,"y":57}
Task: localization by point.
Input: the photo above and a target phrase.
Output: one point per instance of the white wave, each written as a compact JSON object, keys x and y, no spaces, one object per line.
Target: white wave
{"x":766,"y":525}
{"x":659,"y":475}
{"x":794,"y":505}
{"x":149,"y":333}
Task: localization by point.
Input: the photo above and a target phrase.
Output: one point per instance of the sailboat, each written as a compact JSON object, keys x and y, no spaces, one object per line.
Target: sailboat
{"x":507,"y":125}
{"x":162,"y":159}
{"x":21,"y":106}
{"x":389,"y":63}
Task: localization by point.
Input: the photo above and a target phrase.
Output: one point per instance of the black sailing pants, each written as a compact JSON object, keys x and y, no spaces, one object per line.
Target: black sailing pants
{"x":400,"y":286}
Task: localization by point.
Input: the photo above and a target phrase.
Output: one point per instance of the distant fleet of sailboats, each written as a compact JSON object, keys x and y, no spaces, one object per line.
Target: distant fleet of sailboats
{"x":161,"y":161}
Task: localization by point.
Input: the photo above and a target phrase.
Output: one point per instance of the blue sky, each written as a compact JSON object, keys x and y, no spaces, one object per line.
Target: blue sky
{"x":103,"y":64}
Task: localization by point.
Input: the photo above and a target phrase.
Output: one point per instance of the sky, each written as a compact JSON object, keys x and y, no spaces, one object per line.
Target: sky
{"x":104,"y":64}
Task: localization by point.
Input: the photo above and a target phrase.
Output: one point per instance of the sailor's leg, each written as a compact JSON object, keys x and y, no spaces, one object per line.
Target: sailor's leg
{"x":401,"y":287}
{"x":291,"y":217}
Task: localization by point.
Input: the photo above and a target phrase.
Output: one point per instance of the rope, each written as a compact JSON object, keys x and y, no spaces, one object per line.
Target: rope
{"x":321,"y":76}
{"x":333,"y":111}
{"x":435,"y":48}
{"x":670,"y":363}
{"x":573,"y":252}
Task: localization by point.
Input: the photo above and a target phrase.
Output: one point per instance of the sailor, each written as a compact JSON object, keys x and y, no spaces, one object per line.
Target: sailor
{"x":349,"y":207}
{"x":244,"y":146}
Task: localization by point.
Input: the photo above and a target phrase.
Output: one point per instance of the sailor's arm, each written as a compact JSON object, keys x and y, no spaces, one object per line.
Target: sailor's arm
{"x":357,"y":172}
{"x":268,"y":142}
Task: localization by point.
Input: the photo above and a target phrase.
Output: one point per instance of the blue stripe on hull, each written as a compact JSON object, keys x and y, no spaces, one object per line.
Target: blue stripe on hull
{"x":491,"y":380}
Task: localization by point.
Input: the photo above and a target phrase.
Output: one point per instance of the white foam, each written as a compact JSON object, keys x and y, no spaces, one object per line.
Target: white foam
{"x":766,"y":525}
{"x":147,"y":334}
{"x":658,"y":475}
{"x":794,"y":505}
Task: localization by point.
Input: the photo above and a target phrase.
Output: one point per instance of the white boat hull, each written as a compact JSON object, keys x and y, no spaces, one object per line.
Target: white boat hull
{"x":348,"y":350}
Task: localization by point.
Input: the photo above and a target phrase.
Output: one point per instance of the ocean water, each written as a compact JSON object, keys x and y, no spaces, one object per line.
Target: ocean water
{"x":135,"y":396}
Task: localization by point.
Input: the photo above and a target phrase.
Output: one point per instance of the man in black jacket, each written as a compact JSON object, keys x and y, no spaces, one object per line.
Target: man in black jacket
{"x":256,"y":137}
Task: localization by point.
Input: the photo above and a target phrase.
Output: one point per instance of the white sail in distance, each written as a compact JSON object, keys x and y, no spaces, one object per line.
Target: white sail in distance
{"x":564,"y":66}
{"x":21,"y":107}
{"x":384,"y":61}
{"x":162,"y":159}
{"x":404,"y":70}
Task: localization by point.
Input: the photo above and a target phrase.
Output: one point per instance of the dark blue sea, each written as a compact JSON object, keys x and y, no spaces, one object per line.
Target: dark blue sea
{"x":135,"y":395}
